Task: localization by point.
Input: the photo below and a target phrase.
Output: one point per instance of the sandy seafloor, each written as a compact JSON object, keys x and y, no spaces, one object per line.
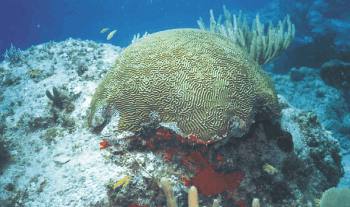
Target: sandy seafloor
{"x":65,"y":167}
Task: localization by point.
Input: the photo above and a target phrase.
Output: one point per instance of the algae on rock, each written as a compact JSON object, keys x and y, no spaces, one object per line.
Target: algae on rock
{"x":202,"y":81}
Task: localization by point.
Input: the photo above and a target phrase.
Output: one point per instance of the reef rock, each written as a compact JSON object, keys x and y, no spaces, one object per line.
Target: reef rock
{"x":336,"y":73}
{"x":289,"y":163}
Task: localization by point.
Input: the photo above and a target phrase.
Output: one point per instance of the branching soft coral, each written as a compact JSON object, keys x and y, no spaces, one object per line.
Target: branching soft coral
{"x":262,"y":42}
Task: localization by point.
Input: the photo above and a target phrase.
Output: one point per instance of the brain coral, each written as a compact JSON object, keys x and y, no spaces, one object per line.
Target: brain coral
{"x":201,"y":81}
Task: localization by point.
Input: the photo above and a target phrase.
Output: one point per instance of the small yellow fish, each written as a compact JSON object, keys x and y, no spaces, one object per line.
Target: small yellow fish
{"x":111,"y":34}
{"x":124,"y":181}
{"x":270,"y":169}
{"x":103,"y":30}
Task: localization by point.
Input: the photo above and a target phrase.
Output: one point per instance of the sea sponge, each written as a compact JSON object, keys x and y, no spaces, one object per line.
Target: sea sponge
{"x":201,"y":81}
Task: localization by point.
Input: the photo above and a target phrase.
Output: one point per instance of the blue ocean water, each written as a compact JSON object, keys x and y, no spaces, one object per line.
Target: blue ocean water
{"x":25,"y":23}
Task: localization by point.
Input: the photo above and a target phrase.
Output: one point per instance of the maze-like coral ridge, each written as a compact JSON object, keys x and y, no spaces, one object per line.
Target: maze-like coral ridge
{"x":199,"y":80}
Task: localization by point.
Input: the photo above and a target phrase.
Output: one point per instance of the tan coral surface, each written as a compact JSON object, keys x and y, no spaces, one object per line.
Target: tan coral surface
{"x":200,"y":80}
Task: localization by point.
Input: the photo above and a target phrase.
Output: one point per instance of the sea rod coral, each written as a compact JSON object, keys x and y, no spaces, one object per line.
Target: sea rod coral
{"x":263,"y":43}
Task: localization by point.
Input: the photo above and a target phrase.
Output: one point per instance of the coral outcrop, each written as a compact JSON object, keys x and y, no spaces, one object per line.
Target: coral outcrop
{"x":284,"y":164}
{"x":336,"y":73}
{"x":202,"y":81}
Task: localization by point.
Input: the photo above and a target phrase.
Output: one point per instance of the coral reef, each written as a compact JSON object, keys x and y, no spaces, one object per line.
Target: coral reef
{"x":201,"y":81}
{"x":52,"y":165}
{"x":310,"y":165}
{"x":311,"y":93}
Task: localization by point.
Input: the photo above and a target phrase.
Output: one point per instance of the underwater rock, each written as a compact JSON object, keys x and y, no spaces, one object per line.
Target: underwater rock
{"x":2,"y":125}
{"x":296,"y":75}
{"x":345,"y":128}
{"x":201,"y":81}
{"x":35,"y":123}
{"x":37,"y":74}
{"x":285,"y":142}
{"x":35,"y":130}
{"x":10,"y":79}
{"x":336,"y":73}
{"x":280,"y":191}
{"x":314,"y":146}
{"x":297,"y":170}
{"x":5,"y":156}
{"x":313,"y":94}
{"x":50,"y":134}
{"x":10,"y":187}
{"x":304,"y":158}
